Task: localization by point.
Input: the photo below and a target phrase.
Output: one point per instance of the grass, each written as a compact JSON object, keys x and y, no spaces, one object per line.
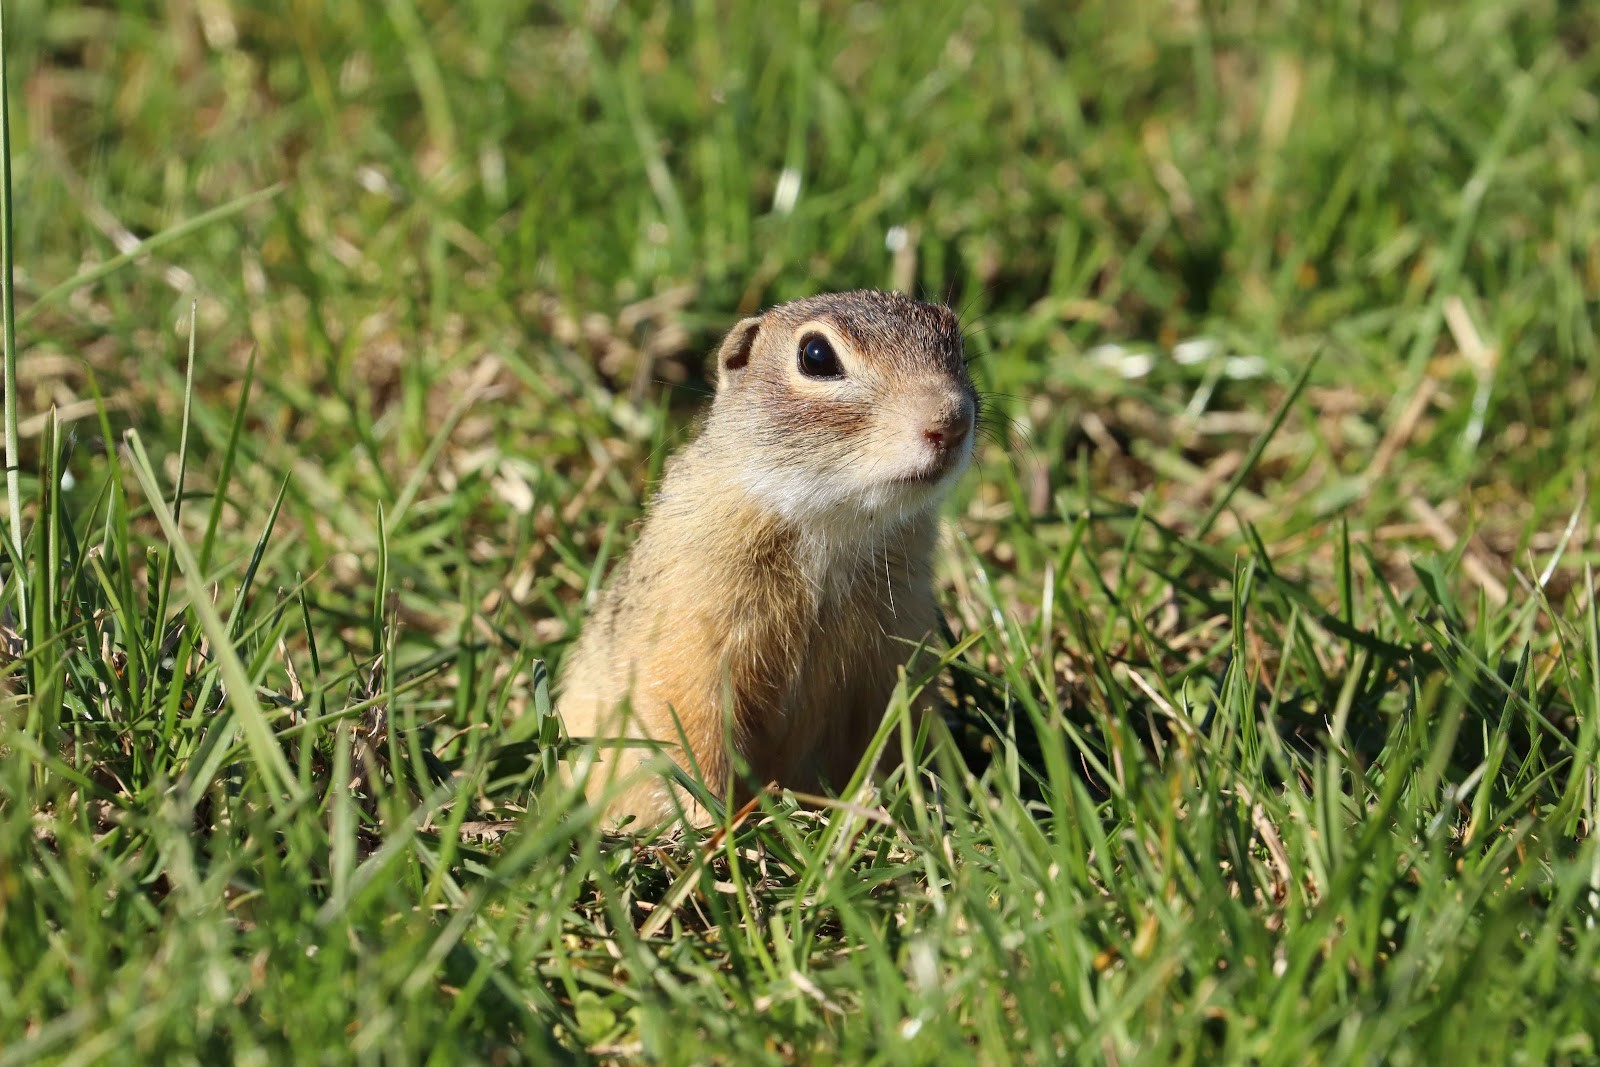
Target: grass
{"x":349,"y":338}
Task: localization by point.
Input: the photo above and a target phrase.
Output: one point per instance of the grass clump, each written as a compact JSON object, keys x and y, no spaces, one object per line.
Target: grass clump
{"x":347,"y":344}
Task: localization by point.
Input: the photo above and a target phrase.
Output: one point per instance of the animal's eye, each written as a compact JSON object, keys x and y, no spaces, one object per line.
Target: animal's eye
{"x":817,"y":358}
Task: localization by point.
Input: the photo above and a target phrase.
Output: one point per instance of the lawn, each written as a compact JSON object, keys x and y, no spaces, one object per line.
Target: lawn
{"x":350,"y":337}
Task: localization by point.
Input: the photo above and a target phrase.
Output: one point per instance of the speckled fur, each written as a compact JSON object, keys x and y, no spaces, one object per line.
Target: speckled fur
{"x":783,"y":573}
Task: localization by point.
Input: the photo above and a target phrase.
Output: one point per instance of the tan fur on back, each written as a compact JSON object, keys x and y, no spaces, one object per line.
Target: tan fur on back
{"x":776,"y":588}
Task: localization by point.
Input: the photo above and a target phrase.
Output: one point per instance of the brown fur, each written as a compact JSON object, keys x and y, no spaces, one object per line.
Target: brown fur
{"x":783,"y":574}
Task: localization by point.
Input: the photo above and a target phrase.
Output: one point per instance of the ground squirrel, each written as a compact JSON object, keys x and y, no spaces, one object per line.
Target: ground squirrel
{"x":783,"y":573}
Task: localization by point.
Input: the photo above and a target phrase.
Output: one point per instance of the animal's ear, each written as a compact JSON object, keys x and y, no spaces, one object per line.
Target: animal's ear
{"x":734,"y":355}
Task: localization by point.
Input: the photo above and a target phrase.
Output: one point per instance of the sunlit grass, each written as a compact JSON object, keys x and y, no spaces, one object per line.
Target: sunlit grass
{"x":348,"y":343}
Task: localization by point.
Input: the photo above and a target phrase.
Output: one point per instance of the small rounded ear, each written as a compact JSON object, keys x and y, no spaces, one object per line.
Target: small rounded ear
{"x":734,"y":355}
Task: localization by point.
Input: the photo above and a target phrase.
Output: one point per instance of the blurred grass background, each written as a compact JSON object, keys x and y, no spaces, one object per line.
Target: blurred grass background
{"x":1280,"y":739}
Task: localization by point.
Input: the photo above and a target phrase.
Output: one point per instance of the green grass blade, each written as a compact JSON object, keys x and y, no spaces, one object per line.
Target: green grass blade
{"x":280,"y":782}
{"x":148,"y":246}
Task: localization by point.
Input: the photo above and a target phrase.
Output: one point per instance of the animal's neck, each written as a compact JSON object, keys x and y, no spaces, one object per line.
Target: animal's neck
{"x":839,"y":568}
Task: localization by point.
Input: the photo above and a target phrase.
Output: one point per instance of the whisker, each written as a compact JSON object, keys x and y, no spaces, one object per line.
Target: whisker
{"x":687,"y":387}
{"x":981,"y":292}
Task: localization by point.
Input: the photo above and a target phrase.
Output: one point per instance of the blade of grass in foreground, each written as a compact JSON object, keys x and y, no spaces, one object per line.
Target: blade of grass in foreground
{"x":8,"y":299}
{"x":269,"y":757}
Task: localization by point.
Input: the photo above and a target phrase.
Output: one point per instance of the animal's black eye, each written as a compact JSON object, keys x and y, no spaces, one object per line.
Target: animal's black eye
{"x":817,"y":358}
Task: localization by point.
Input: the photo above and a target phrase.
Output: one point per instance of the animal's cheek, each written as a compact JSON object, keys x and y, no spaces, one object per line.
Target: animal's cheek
{"x":819,"y":419}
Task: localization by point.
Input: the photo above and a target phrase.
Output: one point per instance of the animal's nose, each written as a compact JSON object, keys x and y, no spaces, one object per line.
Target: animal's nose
{"x":951,"y":427}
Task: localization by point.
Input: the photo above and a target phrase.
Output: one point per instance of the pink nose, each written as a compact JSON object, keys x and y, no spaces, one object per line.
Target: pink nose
{"x":950,"y":431}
